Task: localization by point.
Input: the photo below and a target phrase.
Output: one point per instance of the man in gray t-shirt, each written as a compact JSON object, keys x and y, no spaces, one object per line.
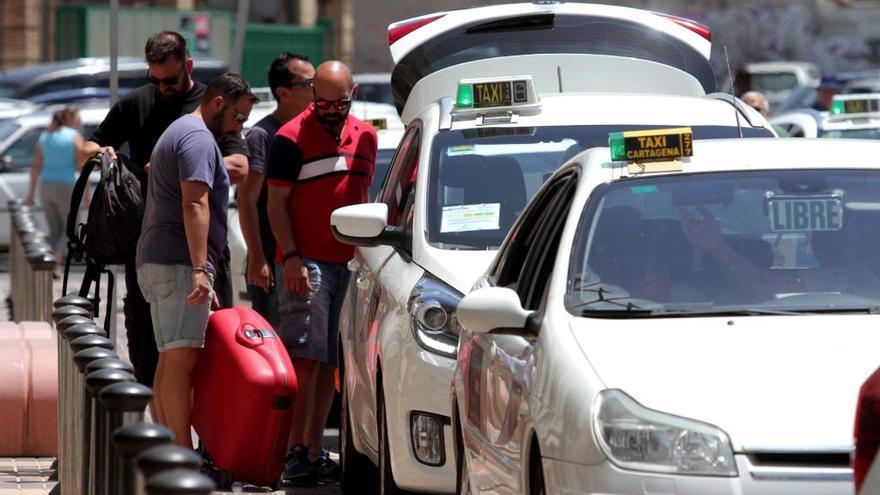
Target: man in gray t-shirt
{"x":182,"y":240}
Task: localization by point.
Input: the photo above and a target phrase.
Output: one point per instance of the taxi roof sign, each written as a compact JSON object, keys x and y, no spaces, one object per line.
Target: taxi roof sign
{"x":379,"y":123}
{"x":847,"y":105}
{"x":503,"y":93}
{"x":653,"y":145}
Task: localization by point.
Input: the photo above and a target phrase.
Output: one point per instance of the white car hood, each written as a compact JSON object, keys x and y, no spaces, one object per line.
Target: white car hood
{"x":458,"y":268}
{"x":773,"y":383}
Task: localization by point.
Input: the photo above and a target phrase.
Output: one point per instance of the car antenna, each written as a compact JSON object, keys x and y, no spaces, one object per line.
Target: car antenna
{"x":732,"y":97}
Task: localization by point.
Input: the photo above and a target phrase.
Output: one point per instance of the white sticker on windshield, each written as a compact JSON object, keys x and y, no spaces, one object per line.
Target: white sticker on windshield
{"x":467,"y":218}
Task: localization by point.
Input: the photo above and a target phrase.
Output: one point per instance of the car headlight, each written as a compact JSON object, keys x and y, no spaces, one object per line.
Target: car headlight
{"x":432,"y":306}
{"x":635,"y":437}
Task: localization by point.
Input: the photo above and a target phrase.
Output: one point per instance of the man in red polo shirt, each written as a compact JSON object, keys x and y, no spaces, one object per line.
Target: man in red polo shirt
{"x":321,"y":160}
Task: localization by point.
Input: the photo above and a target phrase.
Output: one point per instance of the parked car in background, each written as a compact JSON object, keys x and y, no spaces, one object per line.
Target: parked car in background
{"x":17,"y":140}
{"x":375,"y":87}
{"x":11,"y":108}
{"x":777,"y":80}
{"x":851,"y":116}
{"x":34,"y":80}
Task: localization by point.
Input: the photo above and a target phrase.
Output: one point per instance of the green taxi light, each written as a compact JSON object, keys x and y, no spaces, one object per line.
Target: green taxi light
{"x":837,"y":107}
{"x":465,"y":97}
{"x":618,"y":146}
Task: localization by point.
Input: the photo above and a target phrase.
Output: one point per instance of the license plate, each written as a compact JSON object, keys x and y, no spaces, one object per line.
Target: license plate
{"x":805,"y":215}
{"x":499,"y":94}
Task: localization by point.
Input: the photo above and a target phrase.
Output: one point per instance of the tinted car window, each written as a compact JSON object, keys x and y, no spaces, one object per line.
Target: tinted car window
{"x":383,"y":160}
{"x":545,"y":34}
{"x":22,"y":151}
{"x":481,"y":179}
{"x":60,"y":84}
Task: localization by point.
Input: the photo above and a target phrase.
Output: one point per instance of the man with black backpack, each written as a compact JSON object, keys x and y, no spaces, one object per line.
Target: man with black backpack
{"x":138,"y":119}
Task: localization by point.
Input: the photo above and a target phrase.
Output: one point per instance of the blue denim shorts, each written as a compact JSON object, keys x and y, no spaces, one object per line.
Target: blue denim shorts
{"x":309,"y":324}
{"x":175,"y":323}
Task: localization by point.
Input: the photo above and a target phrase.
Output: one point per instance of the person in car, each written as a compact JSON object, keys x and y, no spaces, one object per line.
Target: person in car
{"x":55,"y":167}
{"x":321,"y":160}
{"x":290,"y":80}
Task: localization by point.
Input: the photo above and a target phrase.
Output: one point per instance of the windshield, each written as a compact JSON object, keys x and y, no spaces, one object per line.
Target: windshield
{"x":752,"y":242}
{"x":375,"y":92}
{"x":851,"y":133}
{"x":7,"y":128}
{"x":776,"y":81}
{"x":8,"y":89}
{"x":481,"y":179}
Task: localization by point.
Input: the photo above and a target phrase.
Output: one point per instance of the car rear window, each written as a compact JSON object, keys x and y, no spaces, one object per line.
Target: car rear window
{"x":546,"y":34}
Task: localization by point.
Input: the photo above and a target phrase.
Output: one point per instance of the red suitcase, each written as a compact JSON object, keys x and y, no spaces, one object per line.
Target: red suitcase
{"x":243,"y":392}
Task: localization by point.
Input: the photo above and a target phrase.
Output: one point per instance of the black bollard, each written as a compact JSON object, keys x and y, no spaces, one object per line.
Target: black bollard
{"x":72,"y":300}
{"x":133,"y":439}
{"x":69,"y":321}
{"x":59,"y":314}
{"x":110,"y":363}
{"x":100,"y":438}
{"x":179,"y":482}
{"x":83,"y":359}
{"x":124,"y":404}
{"x":166,"y":457}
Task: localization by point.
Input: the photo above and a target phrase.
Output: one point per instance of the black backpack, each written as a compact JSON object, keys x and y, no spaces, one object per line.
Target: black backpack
{"x":110,"y":234}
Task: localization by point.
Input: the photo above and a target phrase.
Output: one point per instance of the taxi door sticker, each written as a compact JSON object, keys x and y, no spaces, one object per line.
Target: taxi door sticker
{"x":805,"y":214}
{"x":468,"y":218}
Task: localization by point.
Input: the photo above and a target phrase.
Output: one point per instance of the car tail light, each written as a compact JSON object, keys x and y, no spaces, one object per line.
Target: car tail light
{"x":867,"y":432}
{"x":400,"y":29}
{"x":694,"y":26}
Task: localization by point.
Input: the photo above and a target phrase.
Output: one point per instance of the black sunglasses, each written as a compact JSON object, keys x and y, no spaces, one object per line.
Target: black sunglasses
{"x":167,"y":81}
{"x":237,"y":117}
{"x":305,"y":83}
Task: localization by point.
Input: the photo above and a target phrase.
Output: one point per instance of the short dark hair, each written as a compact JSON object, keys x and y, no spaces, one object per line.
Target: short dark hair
{"x":163,"y":46}
{"x":279,"y":71}
{"x":230,"y":86}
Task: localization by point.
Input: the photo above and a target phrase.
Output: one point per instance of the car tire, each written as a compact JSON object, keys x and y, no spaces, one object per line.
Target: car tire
{"x":536,"y":479}
{"x":356,"y":470}
{"x":387,"y":486}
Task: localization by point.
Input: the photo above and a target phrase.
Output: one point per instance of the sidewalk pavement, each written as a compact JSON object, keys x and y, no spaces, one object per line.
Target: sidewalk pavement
{"x":29,"y":476}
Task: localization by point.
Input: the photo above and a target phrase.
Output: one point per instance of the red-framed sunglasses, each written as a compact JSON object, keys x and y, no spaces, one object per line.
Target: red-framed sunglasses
{"x":340,"y":104}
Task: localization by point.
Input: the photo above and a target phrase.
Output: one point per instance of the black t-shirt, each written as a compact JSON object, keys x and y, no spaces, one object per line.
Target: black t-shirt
{"x":141,"y":116}
{"x":259,"y":141}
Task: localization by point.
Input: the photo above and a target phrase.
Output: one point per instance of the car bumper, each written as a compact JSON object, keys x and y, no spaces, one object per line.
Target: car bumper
{"x":568,"y":478}
{"x":418,"y":381}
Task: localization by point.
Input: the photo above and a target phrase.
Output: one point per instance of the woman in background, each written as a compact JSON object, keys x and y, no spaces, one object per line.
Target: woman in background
{"x":55,"y":166}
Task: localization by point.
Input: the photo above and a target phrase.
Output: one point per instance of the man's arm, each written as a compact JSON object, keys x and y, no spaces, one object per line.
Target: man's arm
{"x":285,"y":161}
{"x":36,"y":168}
{"x":196,"y":218}
{"x":235,"y":156}
{"x":110,"y":135}
{"x":259,"y":271}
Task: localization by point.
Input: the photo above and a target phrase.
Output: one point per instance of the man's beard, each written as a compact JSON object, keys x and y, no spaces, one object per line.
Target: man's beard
{"x":174,"y":95}
{"x":216,"y":125}
{"x":334,"y":122}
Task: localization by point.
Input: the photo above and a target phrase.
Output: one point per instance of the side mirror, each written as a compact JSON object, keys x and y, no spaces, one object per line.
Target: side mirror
{"x":365,"y":224}
{"x":493,"y":310}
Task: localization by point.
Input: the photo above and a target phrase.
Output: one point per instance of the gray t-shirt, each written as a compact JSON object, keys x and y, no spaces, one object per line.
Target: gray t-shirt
{"x":186,"y":151}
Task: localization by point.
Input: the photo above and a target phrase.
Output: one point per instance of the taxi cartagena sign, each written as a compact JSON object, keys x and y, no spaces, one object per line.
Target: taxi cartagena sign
{"x":651,"y":145}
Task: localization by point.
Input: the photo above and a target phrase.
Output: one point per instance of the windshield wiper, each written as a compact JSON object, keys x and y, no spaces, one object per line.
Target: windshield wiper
{"x":637,"y":312}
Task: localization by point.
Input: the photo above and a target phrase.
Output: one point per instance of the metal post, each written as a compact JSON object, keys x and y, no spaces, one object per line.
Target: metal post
{"x":167,"y":457}
{"x":43,"y":266}
{"x":97,"y":381}
{"x":124,"y":403}
{"x":114,"y":51}
{"x":133,"y":439}
{"x":180,"y":482}
{"x":80,"y":410}
{"x":70,"y":408}
{"x":83,"y":359}
{"x":241,"y":19}
{"x":72,"y":300}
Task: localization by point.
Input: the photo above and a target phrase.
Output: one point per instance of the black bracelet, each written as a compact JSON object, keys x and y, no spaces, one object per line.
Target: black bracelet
{"x":290,"y":254}
{"x":200,"y":269}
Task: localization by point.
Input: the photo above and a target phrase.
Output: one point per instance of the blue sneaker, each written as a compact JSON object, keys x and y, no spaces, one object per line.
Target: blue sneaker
{"x":326,"y":467}
{"x":298,"y":469}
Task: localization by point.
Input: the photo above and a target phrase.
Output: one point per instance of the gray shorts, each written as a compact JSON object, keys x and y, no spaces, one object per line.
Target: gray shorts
{"x":310,"y":322}
{"x":175,"y":323}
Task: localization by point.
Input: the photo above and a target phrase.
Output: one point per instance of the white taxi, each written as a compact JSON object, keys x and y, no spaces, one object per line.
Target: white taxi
{"x":866,"y":462}
{"x":666,"y":326}
{"x":494,"y":100}
{"x":460,"y":178}
{"x":851,"y":116}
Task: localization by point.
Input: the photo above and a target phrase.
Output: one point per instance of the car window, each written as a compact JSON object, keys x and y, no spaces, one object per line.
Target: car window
{"x":8,"y":89}
{"x":383,"y":161}
{"x":481,"y":179}
{"x":775,"y":81}
{"x":60,"y":84}
{"x":7,"y":128}
{"x":392,"y":194}
{"x":375,"y":92}
{"x":21,"y":152}
{"x":851,"y":133}
{"x":792,"y":240}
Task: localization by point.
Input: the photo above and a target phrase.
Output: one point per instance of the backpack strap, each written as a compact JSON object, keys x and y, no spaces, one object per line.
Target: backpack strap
{"x":76,"y":198}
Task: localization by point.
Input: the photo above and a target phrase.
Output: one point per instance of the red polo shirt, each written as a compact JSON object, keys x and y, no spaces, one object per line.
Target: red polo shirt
{"x":324,"y":174}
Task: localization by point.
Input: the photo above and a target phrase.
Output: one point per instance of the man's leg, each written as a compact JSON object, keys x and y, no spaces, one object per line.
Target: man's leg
{"x":306,"y":374}
{"x":325,"y":388}
{"x":176,"y":394}
{"x":223,"y":281}
{"x":156,"y":409}
{"x":142,"y":351}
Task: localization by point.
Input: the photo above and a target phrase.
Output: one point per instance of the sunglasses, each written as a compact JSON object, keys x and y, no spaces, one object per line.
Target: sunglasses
{"x":305,"y":83}
{"x":237,"y":117}
{"x":167,"y":81}
{"x":340,"y":104}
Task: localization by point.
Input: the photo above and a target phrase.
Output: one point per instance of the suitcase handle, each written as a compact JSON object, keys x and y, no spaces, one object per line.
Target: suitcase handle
{"x":249,"y":336}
